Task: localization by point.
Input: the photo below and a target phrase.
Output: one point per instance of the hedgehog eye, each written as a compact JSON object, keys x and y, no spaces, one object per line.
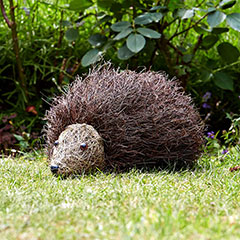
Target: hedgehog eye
{"x":56,"y":143}
{"x":83,"y":146}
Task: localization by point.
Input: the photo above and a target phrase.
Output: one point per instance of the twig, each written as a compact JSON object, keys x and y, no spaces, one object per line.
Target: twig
{"x":16,"y":47}
{"x":198,"y":44}
{"x":225,"y":67}
{"x":9,"y":23}
{"x":185,"y":30}
{"x":152,"y":57}
{"x":173,"y":47}
{"x":12,"y":25}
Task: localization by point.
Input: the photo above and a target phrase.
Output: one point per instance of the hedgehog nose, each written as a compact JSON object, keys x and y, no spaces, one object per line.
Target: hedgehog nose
{"x":54,"y":168}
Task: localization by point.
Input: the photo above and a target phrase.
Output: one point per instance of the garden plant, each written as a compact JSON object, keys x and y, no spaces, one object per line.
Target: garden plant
{"x":46,"y":44}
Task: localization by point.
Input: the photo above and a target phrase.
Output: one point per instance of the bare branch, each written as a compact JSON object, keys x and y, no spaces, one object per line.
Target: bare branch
{"x":9,"y":23}
{"x":187,"y":29}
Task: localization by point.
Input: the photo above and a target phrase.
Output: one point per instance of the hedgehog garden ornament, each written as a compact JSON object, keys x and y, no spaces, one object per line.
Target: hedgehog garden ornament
{"x":120,"y":119}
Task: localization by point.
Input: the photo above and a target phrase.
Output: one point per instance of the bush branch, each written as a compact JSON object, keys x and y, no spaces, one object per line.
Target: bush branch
{"x":12,"y":25}
{"x":187,"y":29}
{"x":9,"y":23}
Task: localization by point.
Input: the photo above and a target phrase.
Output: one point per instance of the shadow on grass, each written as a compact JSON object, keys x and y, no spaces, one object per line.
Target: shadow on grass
{"x":167,"y":167}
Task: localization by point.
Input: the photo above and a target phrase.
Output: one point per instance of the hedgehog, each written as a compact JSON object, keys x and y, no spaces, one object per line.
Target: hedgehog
{"x":119,"y":119}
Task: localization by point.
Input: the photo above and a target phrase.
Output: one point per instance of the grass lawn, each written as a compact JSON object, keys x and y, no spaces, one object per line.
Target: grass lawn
{"x":198,"y":204}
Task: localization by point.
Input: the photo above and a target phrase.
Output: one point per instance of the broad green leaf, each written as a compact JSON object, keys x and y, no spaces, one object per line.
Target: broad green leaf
{"x":135,"y":42}
{"x":97,"y":40}
{"x":202,"y":28}
{"x":66,"y":23}
{"x":175,"y":4}
{"x":124,"y":33}
{"x":219,"y":30}
{"x":187,"y":58}
{"x":228,"y":52}
{"x":223,"y":81}
{"x":104,"y":19}
{"x":179,"y":13}
{"x":107,"y":45}
{"x":161,"y":8}
{"x":119,"y":26}
{"x":215,"y":18}
{"x":234,"y":21}
{"x":182,"y":49}
{"x":210,"y":4}
{"x":101,"y":20}
{"x":90,"y":57}
{"x":143,"y":19}
{"x":79,"y":5}
{"x":212,"y":63}
{"x":211,"y":9}
{"x":100,"y":14}
{"x":188,"y":14}
{"x":147,"y":32}
{"x":124,"y":53}
{"x":156,"y":17}
{"x":18,"y":137}
{"x":205,"y":75}
{"x":148,"y":18}
{"x":104,"y":3}
{"x":209,"y":41}
{"x":227,"y":4}
{"x":72,"y":34}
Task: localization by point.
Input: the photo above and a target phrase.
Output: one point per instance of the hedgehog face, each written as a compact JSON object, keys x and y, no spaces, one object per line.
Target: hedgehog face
{"x":78,"y":149}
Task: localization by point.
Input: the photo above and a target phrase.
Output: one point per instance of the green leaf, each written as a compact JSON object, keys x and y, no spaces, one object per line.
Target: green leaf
{"x":97,"y":40}
{"x":223,"y":81}
{"x":205,"y":75}
{"x":187,"y":58}
{"x":227,"y":4}
{"x":66,"y":23}
{"x":104,"y":3}
{"x":202,"y":28}
{"x":210,"y":4}
{"x":228,"y":52}
{"x":219,"y":30}
{"x":215,"y":18}
{"x":106,"y":18}
{"x":156,"y":17}
{"x":211,"y":9}
{"x":143,"y":19}
{"x":18,"y":137}
{"x":188,"y":14}
{"x":182,"y":49}
{"x":72,"y":34}
{"x":107,"y":45}
{"x":119,"y":26}
{"x":124,"y":33}
{"x":135,"y":42}
{"x":161,"y":8}
{"x":179,"y":12}
{"x":147,"y":18}
{"x":147,"y":32}
{"x":124,"y":53}
{"x":101,"y":20}
{"x":79,"y":5}
{"x":91,"y":57}
{"x":209,"y":41}
{"x":234,"y":21}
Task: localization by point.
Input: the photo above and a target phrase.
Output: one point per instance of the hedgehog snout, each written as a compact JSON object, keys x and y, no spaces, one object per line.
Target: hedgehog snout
{"x":54,"y":168}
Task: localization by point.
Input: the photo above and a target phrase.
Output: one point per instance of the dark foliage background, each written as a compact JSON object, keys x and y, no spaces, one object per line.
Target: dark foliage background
{"x":45,"y":44}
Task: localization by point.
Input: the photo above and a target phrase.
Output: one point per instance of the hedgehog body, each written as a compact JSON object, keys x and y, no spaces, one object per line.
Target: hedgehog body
{"x":144,"y":118}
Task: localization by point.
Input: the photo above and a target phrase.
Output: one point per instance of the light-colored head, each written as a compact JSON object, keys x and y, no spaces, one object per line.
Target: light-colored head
{"x":79,"y":149}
